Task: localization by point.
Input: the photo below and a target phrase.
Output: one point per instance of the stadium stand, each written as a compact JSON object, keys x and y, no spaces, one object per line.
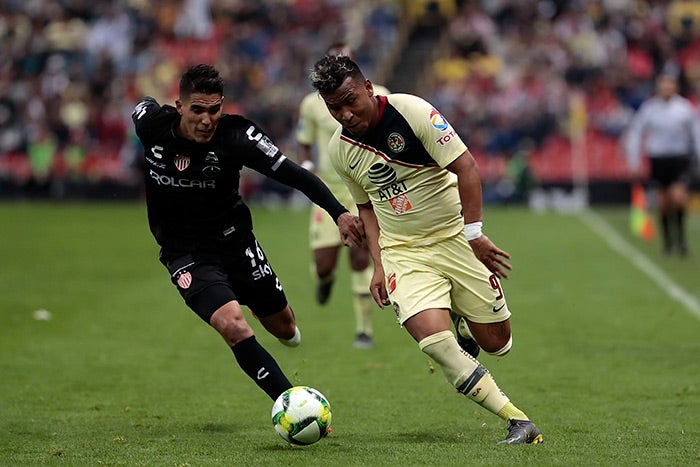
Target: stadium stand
{"x":505,"y":73}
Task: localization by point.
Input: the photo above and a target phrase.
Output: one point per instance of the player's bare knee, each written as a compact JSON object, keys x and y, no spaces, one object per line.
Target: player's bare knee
{"x":232,"y":328}
{"x":499,"y":348}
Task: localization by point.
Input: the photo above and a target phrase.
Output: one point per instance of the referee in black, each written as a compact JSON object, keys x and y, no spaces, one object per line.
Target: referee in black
{"x":193,"y":155}
{"x":666,"y":129}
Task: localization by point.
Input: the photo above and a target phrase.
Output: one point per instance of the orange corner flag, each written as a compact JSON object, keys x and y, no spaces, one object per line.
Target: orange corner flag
{"x":641,"y":223}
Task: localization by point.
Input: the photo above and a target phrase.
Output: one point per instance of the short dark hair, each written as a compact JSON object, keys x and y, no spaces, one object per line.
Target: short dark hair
{"x":203,"y":79}
{"x":331,"y":71}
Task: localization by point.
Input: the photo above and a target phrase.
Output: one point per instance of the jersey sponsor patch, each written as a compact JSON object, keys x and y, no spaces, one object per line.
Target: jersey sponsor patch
{"x":267,"y":146}
{"x":381,"y":174}
{"x":401,"y":204}
{"x":438,"y":121}
{"x":181,"y":162}
{"x":263,"y":143}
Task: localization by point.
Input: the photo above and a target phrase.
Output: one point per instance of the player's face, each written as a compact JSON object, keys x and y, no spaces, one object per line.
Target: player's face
{"x":200,"y":115}
{"x":666,"y":86}
{"x":353,"y":105}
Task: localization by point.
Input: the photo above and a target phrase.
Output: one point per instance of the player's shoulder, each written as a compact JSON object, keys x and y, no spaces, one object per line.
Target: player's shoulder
{"x":234,"y":122}
{"x":150,"y":118}
{"x":408,"y":101}
{"x":148,"y":108}
{"x":412,"y":107}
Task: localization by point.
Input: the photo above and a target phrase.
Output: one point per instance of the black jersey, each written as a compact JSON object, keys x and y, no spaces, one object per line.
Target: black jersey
{"x":192,"y":189}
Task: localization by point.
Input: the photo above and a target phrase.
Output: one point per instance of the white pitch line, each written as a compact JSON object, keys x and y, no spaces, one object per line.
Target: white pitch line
{"x":644,"y":264}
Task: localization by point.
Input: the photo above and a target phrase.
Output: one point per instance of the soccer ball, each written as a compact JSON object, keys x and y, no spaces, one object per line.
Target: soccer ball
{"x":301,"y":415}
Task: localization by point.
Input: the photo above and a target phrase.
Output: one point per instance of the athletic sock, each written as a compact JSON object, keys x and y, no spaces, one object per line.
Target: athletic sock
{"x":293,"y":341}
{"x":259,"y":365}
{"x":464,"y":372}
{"x":363,"y":306}
{"x":680,"y":229}
{"x":509,"y":411}
{"x":362,"y":301}
{"x":666,"y":232}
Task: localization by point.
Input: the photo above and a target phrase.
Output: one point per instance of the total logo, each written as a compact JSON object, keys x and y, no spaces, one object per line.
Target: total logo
{"x":438,"y":121}
{"x":444,"y":139}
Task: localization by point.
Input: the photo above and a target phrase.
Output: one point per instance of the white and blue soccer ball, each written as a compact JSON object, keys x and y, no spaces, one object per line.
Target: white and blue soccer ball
{"x":301,"y":415}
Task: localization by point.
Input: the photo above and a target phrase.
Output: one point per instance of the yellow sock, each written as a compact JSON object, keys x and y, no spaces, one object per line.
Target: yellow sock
{"x":510,"y":411}
{"x":363,"y":304}
{"x":464,"y":372}
{"x":362,"y":301}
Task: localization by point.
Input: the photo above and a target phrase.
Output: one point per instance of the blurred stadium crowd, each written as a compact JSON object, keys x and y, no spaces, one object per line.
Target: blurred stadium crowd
{"x":513,"y":76}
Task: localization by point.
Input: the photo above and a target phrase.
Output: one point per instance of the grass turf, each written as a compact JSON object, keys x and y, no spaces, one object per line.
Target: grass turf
{"x":124,"y":374}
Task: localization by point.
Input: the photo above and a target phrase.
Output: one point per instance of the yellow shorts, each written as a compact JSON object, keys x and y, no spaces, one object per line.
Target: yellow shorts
{"x":443,"y":275}
{"x":323,"y":232}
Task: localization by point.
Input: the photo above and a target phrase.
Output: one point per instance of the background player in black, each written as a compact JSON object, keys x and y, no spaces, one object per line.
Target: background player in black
{"x":193,"y":157}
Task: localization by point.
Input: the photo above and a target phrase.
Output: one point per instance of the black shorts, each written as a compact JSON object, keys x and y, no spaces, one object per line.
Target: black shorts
{"x":240,"y":271}
{"x":670,"y":169}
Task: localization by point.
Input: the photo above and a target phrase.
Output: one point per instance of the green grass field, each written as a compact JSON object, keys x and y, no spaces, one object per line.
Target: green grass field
{"x":604,"y":360}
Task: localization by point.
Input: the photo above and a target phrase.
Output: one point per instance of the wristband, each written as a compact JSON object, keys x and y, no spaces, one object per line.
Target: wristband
{"x":473,"y":230}
{"x":308,"y":165}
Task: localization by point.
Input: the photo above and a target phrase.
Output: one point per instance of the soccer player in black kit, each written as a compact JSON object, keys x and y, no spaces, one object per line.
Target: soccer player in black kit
{"x":192,"y":161}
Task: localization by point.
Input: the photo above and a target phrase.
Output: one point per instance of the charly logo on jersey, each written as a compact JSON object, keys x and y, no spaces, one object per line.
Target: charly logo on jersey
{"x":181,"y":162}
{"x":438,"y":121}
{"x":396,"y":142}
{"x":390,"y":189}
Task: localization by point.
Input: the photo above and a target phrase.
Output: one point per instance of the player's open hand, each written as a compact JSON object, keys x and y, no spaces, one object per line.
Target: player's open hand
{"x":352,"y":230}
{"x":493,"y":257}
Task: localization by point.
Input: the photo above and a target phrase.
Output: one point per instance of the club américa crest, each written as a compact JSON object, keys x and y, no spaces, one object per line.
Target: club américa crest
{"x":396,"y":142}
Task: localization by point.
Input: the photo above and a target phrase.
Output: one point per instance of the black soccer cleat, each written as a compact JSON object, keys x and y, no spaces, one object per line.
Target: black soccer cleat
{"x":323,"y":290}
{"x":363,"y":341}
{"x":522,"y":432}
{"x":467,"y":344}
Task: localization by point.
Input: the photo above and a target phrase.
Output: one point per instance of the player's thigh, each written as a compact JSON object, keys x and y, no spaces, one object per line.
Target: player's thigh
{"x":428,"y":322}
{"x":359,"y":258}
{"x":253,"y":280}
{"x":413,"y":282}
{"x":326,"y":259}
{"x":202,"y":282}
{"x":323,"y":232}
{"x":477,"y":293}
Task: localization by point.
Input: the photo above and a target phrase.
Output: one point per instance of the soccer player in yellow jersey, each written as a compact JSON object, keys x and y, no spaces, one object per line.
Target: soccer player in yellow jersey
{"x":314,"y":130}
{"x":418,"y":191}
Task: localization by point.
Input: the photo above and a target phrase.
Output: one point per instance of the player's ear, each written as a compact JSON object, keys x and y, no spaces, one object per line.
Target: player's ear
{"x":178,"y":105}
{"x":369,"y":88}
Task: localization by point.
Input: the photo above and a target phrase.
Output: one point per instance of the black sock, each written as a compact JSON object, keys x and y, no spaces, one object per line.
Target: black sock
{"x":680,"y":226}
{"x":666,"y":231}
{"x":261,"y":367}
